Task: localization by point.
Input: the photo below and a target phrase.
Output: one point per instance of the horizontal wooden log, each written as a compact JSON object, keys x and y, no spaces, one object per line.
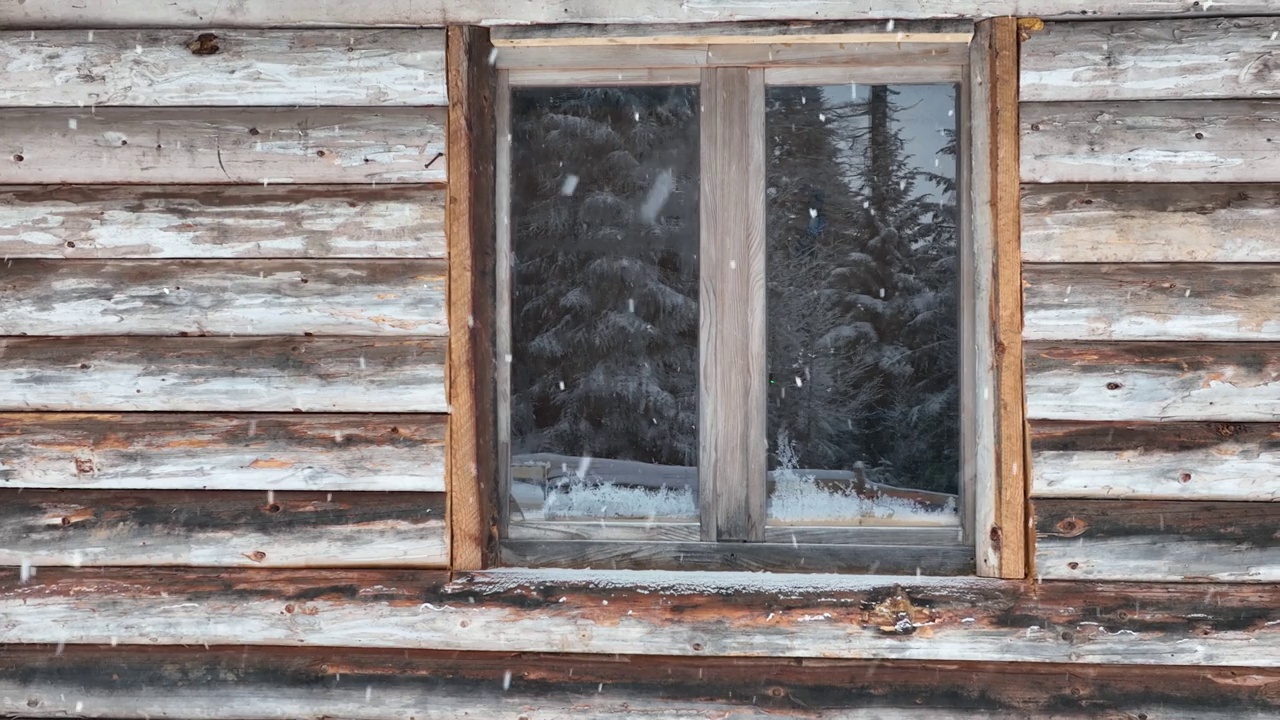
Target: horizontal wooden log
{"x":1150,"y":223}
{"x":1151,"y":60}
{"x":214,"y":145}
{"x":97,"y":528}
{"x":207,"y":374}
{"x":223,"y":297}
{"x":167,"y":451}
{"x":313,"y":13}
{"x":1151,"y":141}
{"x":740,"y":33}
{"x":1230,"y":382}
{"x":222,"y":67}
{"x":1157,"y":540}
{"x":1190,"y":301}
{"x":224,"y":221}
{"x":1156,"y":461}
{"x":905,"y":54}
{"x":653,"y":613}
{"x":227,"y":683}
{"x":949,"y":559}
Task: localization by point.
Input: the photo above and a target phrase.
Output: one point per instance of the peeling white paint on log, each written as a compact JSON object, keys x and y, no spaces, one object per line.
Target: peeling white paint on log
{"x":196,"y":374}
{"x":234,"y":67}
{"x":1151,"y":302}
{"x":1149,"y":223}
{"x":263,"y":146}
{"x":1228,"y":472}
{"x":222,"y":297}
{"x":221,"y":221}
{"x":1156,"y":558}
{"x":1152,"y":60}
{"x":1151,"y":141}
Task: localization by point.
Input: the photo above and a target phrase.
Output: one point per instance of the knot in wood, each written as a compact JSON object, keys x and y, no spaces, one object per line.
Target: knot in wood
{"x":897,"y":614}
{"x":204,"y":44}
{"x":1071,"y":527}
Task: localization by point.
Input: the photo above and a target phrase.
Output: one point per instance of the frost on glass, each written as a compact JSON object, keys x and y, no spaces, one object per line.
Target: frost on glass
{"x":863,"y":317}
{"x":604,"y":362}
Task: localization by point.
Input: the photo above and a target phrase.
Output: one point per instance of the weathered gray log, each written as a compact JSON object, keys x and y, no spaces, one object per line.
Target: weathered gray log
{"x":1164,"y":301}
{"x":223,"y":297}
{"x":222,"y":145}
{"x":222,"y":67}
{"x":1152,"y":60}
{"x":1151,"y":141}
{"x":166,"y":221}
{"x":1150,"y":223}
{"x":570,"y":58}
{"x":1231,"y":382}
{"x":1157,"y":540}
{"x":206,"y":374}
{"x":163,"y":451}
{"x":115,"y":528}
{"x":1156,"y":461}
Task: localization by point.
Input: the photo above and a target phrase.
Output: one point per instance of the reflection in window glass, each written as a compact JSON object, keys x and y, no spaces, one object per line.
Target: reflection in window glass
{"x":863,"y":414}
{"x":604,"y":366}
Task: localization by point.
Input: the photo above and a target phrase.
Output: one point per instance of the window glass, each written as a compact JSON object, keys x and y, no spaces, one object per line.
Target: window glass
{"x":863,"y":353}
{"x":604,"y":366}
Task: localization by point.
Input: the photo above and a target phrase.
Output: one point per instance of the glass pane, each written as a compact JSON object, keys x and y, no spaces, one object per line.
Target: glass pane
{"x":604,"y":366}
{"x":863,"y":414}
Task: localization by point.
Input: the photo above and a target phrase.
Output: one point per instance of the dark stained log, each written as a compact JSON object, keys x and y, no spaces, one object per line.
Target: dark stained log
{"x":231,"y":683}
{"x":94,"y":528}
{"x":1229,"y":382}
{"x":217,"y":374}
{"x":656,"y":613}
{"x":1157,"y":540}
{"x":1167,"y":301}
{"x":1154,"y":461}
{"x":181,"y":451}
{"x":223,"y":297}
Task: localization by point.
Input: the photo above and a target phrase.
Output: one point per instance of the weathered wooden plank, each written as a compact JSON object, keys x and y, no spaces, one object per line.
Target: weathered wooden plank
{"x":149,"y":451}
{"x":1145,"y":60}
{"x":561,"y":35}
{"x":1199,"y":301}
{"x":216,"y":145}
{"x":875,"y":54}
{"x":950,"y":559}
{"x":226,"y":683}
{"x":223,"y":297}
{"x":1151,"y":141}
{"x":222,"y":67}
{"x":653,"y":613}
{"x":313,"y":13}
{"x":166,"y":221}
{"x":1150,"y":223}
{"x":208,"y":374}
{"x":94,"y":528}
{"x":1157,"y":540}
{"x":1232,"y":382}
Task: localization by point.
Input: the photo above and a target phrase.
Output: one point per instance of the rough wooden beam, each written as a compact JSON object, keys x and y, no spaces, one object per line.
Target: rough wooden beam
{"x":746,"y":33}
{"x":849,"y":55}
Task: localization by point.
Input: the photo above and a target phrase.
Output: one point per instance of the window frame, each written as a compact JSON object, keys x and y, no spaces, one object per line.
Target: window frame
{"x":857,"y":549}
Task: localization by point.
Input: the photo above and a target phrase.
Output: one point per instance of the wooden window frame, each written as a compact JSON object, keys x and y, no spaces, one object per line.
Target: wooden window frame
{"x":993,"y":493}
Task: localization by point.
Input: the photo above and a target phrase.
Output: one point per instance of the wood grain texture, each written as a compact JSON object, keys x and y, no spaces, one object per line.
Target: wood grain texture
{"x":116,"y":528}
{"x":866,"y":54}
{"x":731,"y":329}
{"x":472,"y":474}
{"x":223,"y":297}
{"x":222,"y":67}
{"x":163,"y":451}
{"x":791,"y":557}
{"x":1144,"y":60}
{"x":1185,"y":301}
{"x":207,"y":374}
{"x":560,"y":35}
{"x":226,"y":683}
{"x":1151,"y":141}
{"x":185,"y":221}
{"x":1150,"y":223}
{"x":702,"y":615}
{"x":1229,"y":382}
{"x":221,"y":145}
{"x":1156,"y":461}
{"x":1157,"y":540}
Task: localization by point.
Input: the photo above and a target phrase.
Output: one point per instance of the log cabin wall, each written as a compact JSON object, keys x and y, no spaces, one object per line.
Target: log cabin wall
{"x":1151,"y":206}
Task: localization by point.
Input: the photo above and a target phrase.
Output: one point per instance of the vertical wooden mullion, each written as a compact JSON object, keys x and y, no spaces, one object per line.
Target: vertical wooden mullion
{"x":732,"y":444}
{"x":502,"y":283}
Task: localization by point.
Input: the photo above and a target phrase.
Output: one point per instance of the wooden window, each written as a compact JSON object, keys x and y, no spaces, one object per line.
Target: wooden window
{"x":746,"y":298}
